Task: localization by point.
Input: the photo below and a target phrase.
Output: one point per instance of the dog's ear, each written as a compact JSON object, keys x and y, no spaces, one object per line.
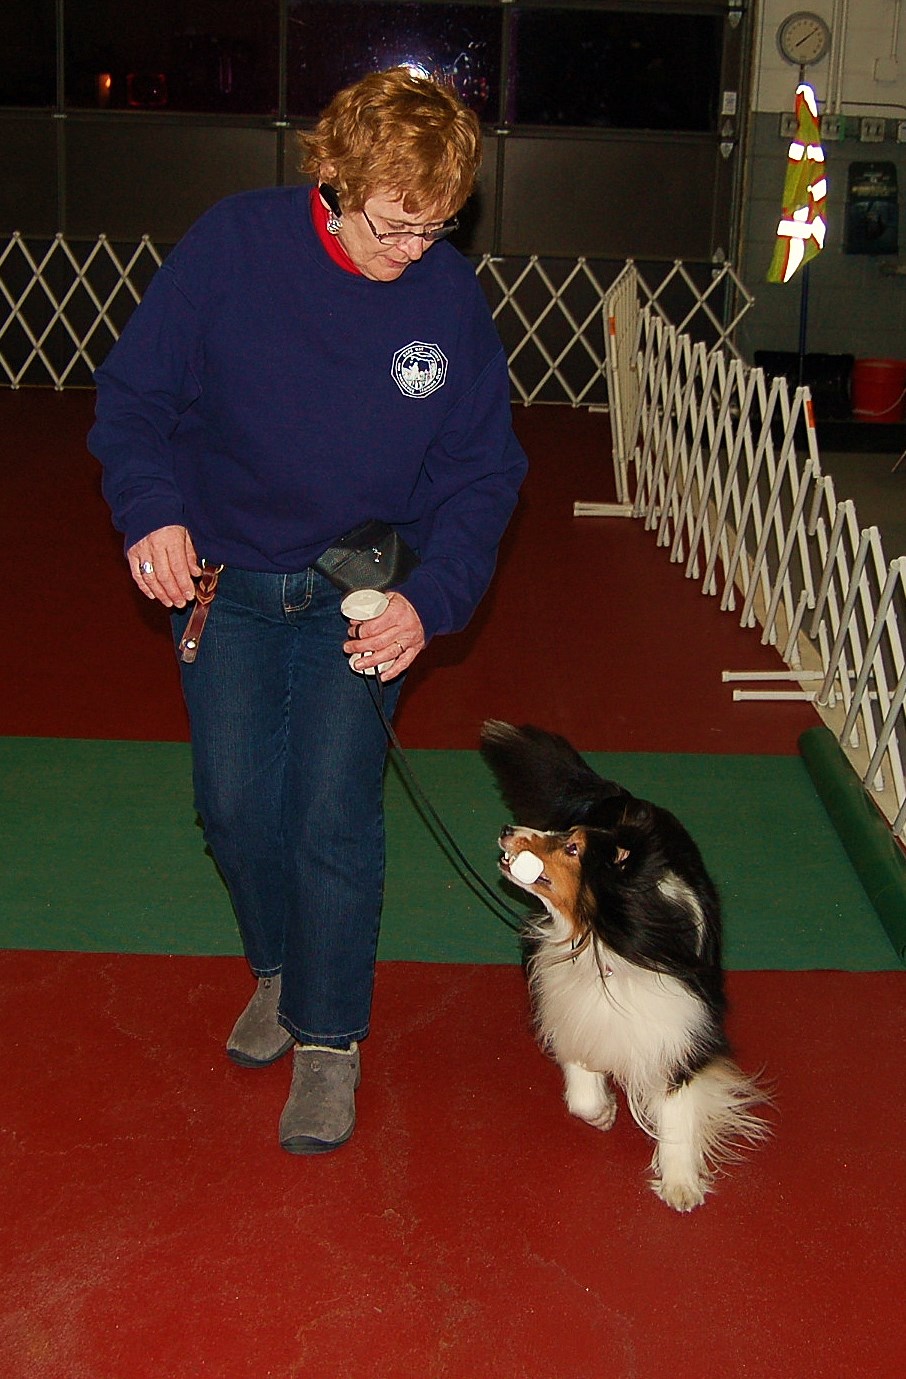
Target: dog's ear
{"x":543,"y":779}
{"x":612,"y":854}
{"x":640,"y":845}
{"x":637,"y":840}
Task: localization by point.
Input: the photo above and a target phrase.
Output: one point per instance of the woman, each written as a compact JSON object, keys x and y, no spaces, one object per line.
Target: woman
{"x":305,"y":360}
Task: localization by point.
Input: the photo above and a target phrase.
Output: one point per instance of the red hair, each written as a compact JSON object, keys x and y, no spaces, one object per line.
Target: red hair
{"x":398,"y":134}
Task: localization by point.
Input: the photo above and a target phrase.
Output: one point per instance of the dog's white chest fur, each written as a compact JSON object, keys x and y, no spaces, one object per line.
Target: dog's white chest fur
{"x":608,"y":1016}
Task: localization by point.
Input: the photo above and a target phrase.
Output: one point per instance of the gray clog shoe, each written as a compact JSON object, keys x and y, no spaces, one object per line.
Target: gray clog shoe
{"x":257,"y":1038}
{"x":320,"y":1112}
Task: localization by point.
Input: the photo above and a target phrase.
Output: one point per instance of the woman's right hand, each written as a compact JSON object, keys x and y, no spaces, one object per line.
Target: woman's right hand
{"x":171,"y":555}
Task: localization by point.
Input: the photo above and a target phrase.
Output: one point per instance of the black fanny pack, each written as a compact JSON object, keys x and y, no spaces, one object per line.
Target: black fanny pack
{"x":371,"y":556}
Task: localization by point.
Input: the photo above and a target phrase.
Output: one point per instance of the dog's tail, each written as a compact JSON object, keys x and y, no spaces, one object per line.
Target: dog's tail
{"x":544,"y":781}
{"x":709,"y":1121}
{"x":732,"y":1118}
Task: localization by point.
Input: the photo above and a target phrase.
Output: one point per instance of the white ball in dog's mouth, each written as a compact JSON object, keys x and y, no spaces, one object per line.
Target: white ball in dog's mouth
{"x":526,"y":867}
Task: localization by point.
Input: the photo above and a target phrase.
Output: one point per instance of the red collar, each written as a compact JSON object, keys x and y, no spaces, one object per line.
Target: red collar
{"x":331,"y":244}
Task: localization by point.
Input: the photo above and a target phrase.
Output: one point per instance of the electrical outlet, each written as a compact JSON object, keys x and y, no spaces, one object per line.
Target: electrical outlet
{"x":833,"y":128}
{"x":788,"y":126}
{"x":871,"y":130}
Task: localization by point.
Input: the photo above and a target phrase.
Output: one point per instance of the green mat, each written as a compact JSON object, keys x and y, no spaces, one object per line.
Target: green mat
{"x":101,"y":852}
{"x":870,"y":845}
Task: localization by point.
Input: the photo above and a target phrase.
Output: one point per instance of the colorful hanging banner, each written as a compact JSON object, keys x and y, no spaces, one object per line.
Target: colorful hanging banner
{"x":803,"y":225}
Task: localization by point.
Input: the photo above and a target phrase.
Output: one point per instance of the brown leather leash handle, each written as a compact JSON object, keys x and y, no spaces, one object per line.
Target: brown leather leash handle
{"x":205,"y":590}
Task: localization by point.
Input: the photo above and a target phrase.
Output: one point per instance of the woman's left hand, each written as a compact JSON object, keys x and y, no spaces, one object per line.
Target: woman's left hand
{"x":395,"y":636}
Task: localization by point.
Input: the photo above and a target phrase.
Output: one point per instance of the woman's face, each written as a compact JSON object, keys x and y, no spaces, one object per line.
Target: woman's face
{"x":384,"y":262}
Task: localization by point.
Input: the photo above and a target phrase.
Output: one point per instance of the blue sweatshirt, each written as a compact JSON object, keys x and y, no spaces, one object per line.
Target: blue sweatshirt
{"x":269,"y":400}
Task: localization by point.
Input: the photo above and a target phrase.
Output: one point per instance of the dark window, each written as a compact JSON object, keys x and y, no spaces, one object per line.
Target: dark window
{"x":331,"y":45}
{"x":581,"y":66}
{"x":190,"y":55}
{"x":27,"y":46}
{"x":605,"y":68}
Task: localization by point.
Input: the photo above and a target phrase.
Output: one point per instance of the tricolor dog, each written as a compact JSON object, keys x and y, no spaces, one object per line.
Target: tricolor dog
{"x":624,"y":961}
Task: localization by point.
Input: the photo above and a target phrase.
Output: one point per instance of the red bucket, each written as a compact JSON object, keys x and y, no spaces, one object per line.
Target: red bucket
{"x":879,"y":389}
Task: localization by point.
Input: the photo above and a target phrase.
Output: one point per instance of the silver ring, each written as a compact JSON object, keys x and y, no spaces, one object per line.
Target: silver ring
{"x":146,"y":567}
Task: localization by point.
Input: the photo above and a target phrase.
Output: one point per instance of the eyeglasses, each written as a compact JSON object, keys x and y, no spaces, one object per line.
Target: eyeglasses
{"x":429,"y":233}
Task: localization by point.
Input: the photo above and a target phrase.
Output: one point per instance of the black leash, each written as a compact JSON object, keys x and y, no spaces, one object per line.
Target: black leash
{"x":466,"y":871}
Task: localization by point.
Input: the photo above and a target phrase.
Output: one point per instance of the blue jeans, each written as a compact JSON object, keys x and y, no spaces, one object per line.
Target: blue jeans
{"x":288,"y":757}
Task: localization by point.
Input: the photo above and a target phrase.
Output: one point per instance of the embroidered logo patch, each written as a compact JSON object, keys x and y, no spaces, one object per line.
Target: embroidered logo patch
{"x":419,"y":369}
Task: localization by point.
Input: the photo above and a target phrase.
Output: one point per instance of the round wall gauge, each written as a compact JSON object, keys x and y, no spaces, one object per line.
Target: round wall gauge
{"x":803,"y":38}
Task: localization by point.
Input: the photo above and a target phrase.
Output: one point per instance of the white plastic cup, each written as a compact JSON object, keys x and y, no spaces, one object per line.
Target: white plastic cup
{"x":359,"y":606}
{"x":363,"y":604}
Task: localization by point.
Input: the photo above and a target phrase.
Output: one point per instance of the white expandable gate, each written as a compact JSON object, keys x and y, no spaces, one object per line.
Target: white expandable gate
{"x":722,"y":463}
{"x":63,"y":303}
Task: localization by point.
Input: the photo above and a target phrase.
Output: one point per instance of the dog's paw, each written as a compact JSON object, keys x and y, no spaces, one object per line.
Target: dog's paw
{"x":681,"y":1194}
{"x":588,"y":1096}
{"x":604,"y":1118}
{"x":590,"y":1099}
